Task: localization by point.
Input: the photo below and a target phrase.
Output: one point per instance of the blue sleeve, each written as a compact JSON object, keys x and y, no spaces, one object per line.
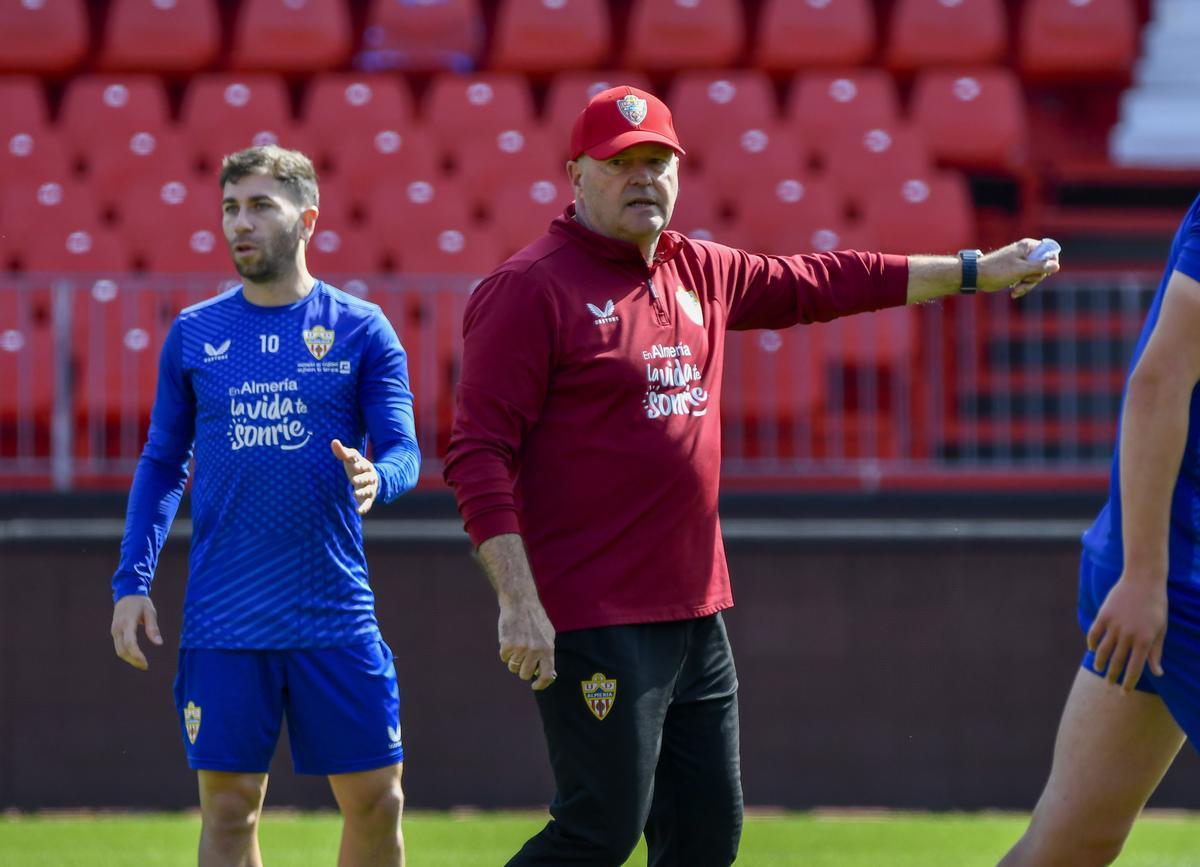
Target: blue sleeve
{"x":387,"y":407}
{"x":1188,"y":260}
{"x":161,"y":473}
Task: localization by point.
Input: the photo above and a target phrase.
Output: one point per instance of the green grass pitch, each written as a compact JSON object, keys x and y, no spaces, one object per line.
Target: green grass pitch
{"x":488,"y":839}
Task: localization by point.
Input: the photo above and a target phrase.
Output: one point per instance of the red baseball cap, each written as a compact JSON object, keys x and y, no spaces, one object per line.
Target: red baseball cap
{"x":620,"y":117}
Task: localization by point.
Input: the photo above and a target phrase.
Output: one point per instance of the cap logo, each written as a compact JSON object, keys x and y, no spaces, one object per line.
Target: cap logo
{"x":632,"y":108}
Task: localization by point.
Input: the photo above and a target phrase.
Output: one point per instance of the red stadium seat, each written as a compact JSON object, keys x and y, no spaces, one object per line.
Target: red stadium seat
{"x":782,"y":214}
{"x":940,"y":32}
{"x":47,"y":37}
{"x":706,"y":103}
{"x":697,"y":210}
{"x":539,"y":36}
{"x":450,"y":248}
{"x":825,"y":106}
{"x":422,"y":36}
{"x":291,"y":35}
{"x":569,"y":93}
{"x":665,"y":35}
{"x":24,"y":104}
{"x":341,"y":106}
{"x":972,"y":118}
{"x":157,"y":36}
{"x":736,"y":153}
{"x":928,"y":213}
{"x":487,"y":162}
{"x":72,"y":246}
{"x":50,"y":207}
{"x":793,"y":34}
{"x":360,"y":162}
{"x":1074,"y":39}
{"x":116,"y":166}
{"x":160,"y":206}
{"x":863,"y":164}
{"x":341,"y":253}
{"x":198,"y":249}
{"x":400,"y":211}
{"x":34,"y":154}
{"x":100,"y":109}
{"x":458,"y":108}
{"x":522,"y":210}
{"x":26,"y":355}
{"x":225,"y":113}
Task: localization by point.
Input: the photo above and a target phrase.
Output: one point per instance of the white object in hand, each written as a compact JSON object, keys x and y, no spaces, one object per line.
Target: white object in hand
{"x":1048,"y":249}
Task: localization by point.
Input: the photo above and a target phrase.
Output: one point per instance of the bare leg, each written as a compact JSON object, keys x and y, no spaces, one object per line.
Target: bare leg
{"x":230,"y":805}
{"x":371,"y":804}
{"x":1111,"y":752}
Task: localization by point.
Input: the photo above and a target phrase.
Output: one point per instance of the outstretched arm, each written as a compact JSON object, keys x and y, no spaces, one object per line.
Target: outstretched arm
{"x":931,"y":277}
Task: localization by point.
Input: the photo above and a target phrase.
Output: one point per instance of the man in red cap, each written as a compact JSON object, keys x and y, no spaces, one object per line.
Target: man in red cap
{"x":585,"y":457}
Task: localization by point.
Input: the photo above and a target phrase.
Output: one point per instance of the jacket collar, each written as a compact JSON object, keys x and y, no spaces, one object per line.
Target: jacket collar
{"x":604,"y":247}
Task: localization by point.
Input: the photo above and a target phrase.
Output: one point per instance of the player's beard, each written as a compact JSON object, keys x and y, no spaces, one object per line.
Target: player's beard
{"x":278,"y":256}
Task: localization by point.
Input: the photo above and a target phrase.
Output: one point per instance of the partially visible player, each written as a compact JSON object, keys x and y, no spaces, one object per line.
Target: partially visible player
{"x":275,"y":384}
{"x":1138,"y":692}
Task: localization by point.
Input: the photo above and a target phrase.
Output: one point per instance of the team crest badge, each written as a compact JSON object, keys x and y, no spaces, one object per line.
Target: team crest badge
{"x":191,"y":720}
{"x":600,"y":694}
{"x":318,"y":340}
{"x":689,"y":303}
{"x":632,"y":108}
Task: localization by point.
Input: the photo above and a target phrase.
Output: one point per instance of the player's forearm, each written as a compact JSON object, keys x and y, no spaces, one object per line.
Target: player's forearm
{"x":506,"y":565}
{"x":1154,"y":428}
{"x":931,"y":277}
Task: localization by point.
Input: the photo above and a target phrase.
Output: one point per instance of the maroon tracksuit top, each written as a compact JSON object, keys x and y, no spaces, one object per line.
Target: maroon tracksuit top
{"x":588,"y":409}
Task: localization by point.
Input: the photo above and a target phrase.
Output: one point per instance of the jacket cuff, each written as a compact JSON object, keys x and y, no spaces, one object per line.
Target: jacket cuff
{"x":495,"y":522}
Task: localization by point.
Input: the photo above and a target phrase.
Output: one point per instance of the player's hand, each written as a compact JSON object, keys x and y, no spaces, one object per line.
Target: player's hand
{"x":361,"y":473}
{"x":527,"y":642}
{"x":1010,"y":268}
{"x":1130,"y":629}
{"x":127,"y":614}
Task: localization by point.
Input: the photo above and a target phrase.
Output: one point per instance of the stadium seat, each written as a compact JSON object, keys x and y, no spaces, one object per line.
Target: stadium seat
{"x":781,"y":214}
{"x":225,"y":113}
{"x":24,"y":104}
{"x":162,"y":36}
{"x":929,"y":213}
{"x":26,"y":357}
{"x":862,"y":164}
{"x":291,"y":35}
{"x":824,"y":106}
{"x":665,"y":35}
{"x":1077,"y":39}
{"x":48,"y":38}
{"x":541,"y":36}
{"x":116,"y":166}
{"x":199,"y":249}
{"x":341,"y":253}
{"x":735,"y":154}
{"x":34,"y":154}
{"x":941,"y":32}
{"x":157,"y":206}
{"x":50,"y":206}
{"x":458,"y":108}
{"x":568,"y":93}
{"x":697,"y":210}
{"x":450,"y":248}
{"x":400,"y":211}
{"x":794,"y":34}
{"x":522,"y":210}
{"x":75,"y":246}
{"x":425,"y":36}
{"x":706,"y":103}
{"x":359,"y":162}
{"x":101,"y":109}
{"x":487,"y":162}
{"x":338,"y":106}
{"x":972,"y":118}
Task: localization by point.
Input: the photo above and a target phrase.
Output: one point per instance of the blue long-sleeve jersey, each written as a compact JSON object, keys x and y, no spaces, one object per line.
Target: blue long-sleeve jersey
{"x":277,"y":558}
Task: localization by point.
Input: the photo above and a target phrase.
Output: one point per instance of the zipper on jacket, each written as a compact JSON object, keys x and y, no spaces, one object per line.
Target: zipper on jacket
{"x":660,"y":310}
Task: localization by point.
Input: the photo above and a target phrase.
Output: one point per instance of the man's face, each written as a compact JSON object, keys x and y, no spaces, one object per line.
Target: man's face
{"x":630,"y":195}
{"x":264,"y":227}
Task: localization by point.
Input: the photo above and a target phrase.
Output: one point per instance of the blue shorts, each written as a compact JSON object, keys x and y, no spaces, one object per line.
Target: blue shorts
{"x":342,"y":706}
{"x":1179,"y":687}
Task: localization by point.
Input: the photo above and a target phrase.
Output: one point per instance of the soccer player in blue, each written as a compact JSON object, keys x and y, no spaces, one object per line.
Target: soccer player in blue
{"x":275,"y":384}
{"x":1137,"y":695}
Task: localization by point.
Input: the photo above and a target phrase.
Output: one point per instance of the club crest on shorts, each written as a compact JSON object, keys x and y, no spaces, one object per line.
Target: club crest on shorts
{"x":599,"y":694}
{"x":191,"y":720}
{"x":632,"y":108}
{"x":318,"y":339}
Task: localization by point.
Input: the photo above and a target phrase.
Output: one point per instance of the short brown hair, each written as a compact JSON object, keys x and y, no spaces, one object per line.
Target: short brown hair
{"x":291,"y":168}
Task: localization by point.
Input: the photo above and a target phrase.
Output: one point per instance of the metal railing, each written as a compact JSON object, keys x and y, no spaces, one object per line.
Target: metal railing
{"x":979,"y":390}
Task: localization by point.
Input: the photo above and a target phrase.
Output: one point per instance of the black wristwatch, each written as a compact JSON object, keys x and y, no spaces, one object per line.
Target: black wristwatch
{"x":970,"y":270}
